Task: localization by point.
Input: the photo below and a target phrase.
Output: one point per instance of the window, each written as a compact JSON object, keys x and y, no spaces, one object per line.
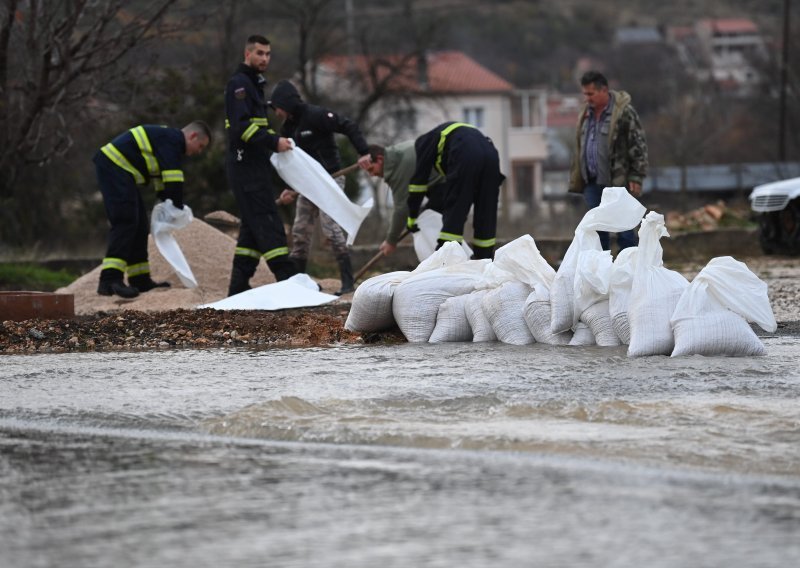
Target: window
{"x":474,"y":116}
{"x":523,"y":182}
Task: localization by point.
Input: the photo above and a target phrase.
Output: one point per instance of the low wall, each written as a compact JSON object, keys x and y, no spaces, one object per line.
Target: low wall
{"x":686,"y":247}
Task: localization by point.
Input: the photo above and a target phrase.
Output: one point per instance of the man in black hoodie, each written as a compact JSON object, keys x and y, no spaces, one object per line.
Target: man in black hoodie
{"x":251,"y":141}
{"x":313,"y":128}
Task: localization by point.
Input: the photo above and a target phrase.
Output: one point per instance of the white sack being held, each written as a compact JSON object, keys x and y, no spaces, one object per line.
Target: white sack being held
{"x":712,"y":314}
{"x":655,"y":292}
{"x":165,"y":219}
{"x":309,"y":178}
{"x":426,"y":239}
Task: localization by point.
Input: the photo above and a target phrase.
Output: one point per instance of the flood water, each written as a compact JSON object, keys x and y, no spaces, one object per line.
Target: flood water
{"x":448,"y":455}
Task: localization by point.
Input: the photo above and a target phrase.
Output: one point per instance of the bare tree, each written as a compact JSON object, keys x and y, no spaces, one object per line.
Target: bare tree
{"x":53,"y":56}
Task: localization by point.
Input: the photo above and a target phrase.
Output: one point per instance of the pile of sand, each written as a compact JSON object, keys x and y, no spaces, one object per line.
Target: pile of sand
{"x":209,"y":253}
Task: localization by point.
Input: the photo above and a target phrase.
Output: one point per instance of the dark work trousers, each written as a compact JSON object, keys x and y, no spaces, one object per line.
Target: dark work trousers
{"x":592,"y":194}
{"x":473,"y":178}
{"x":130,"y":226}
{"x":262,"y":228}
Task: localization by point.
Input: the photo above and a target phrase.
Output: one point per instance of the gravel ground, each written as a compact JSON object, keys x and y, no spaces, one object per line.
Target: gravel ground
{"x":125,"y":329}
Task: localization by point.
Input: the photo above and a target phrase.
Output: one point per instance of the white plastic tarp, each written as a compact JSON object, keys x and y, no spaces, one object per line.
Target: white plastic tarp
{"x":165,"y":219}
{"x":309,"y":178}
{"x":299,"y":291}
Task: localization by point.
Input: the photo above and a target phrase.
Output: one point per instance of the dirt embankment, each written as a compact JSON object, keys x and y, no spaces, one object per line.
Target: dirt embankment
{"x":134,"y":331}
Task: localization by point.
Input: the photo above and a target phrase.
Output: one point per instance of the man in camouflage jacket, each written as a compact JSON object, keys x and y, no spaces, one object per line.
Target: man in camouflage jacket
{"x":611,"y":149}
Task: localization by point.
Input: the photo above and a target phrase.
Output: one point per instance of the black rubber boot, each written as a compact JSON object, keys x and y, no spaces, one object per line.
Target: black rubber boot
{"x":118,"y":287}
{"x":346,"y":270}
{"x":282,"y":267}
{"x":240,"y":282}
{"x":144,"y":283}
{"x":301,"y":264}
{"x":479,"y":253}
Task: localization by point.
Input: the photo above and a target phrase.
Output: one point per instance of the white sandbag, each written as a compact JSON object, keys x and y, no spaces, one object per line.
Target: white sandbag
{"x":451,"y":321}
{"x":712,"y":314}
{"x":426,"y":239}
{"x":522,"y":259}
{"x":417,"y":299}
{"x":582,"y":337}
{"x":599,"y":321}
{"x":165,"y":219}
{"x":450,"y":254}
{"x":536,"y":313}
{"x":618,"y":211}
{"x":481,"y":328}
{"x":592,"y":279}
{"x":371,"y":308}
{"x":619,"y":292}
{"x":503,"y":308}
{"x":307,"y":176}
{"x":655,"y":292}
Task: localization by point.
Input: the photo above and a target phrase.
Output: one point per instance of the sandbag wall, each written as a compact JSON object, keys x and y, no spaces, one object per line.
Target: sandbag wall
{"x":592,"y":299}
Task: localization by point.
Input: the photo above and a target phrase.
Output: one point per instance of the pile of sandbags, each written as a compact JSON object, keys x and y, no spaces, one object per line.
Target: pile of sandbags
{"x":592,"y":300}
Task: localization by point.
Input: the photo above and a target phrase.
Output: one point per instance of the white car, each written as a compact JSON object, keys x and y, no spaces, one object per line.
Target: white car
{"x":778,"y":205}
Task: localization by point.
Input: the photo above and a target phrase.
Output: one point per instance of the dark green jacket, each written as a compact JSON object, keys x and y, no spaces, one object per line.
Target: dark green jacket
{"x":627,"y":146}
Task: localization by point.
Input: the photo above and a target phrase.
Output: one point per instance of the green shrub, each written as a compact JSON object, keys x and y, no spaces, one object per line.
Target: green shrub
{"x":33,"y":277}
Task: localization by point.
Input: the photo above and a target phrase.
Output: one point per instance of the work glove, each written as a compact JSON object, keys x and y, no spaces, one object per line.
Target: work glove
{"x":411,"y":224}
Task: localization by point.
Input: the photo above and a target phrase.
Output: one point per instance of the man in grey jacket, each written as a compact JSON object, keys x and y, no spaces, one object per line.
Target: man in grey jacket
{"x":396,"y":164}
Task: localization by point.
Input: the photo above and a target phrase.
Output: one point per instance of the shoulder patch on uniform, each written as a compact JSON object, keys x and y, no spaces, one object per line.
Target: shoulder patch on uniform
{"x":240,"y":93}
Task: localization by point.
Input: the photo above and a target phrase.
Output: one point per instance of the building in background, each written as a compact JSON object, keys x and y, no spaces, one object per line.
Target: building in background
{"x":418,"y":93}
{"x":727,"y":51}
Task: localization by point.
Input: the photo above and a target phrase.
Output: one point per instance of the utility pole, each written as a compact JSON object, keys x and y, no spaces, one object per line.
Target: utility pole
{"x":351,"y":34}
{"x":784,"y":84}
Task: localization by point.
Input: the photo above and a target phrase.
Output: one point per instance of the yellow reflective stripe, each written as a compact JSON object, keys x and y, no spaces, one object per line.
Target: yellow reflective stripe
{"x":172,"y":176}
{"x":451,"y":237}
{"x":443,"y":139}
{"x":484,"y":243}
{"x":242,"y":251}
{"x":147,"y":150}
{"x":259,"y":121}
{"x":227,"y":123}
{"x":249,"y":131}
{"x":158,"y":185}
{"x":417,"y":188}
{"x":116,"y":156}
{"x":280,"y":251}
{"x":114,"y":263}
{"x":139,"y":269}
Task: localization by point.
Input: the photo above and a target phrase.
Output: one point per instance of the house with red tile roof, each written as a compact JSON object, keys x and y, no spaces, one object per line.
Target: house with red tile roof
{"x":418,"y":93}
{"x":727,"y":51}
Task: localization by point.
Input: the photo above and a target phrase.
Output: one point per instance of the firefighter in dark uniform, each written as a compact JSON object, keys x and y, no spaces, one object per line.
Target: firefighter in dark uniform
{"x":471,"y":166}
{"x":142,"y":154}
{"x":250,"y":144}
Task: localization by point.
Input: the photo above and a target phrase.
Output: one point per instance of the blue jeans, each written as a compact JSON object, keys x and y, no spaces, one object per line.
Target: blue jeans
{"x":592,"y":194}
